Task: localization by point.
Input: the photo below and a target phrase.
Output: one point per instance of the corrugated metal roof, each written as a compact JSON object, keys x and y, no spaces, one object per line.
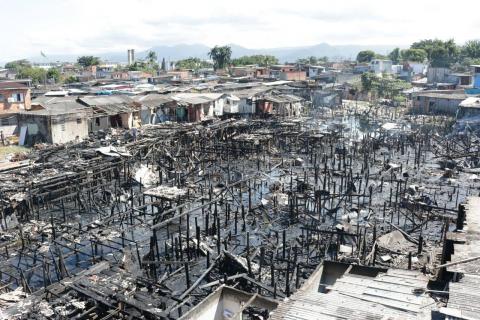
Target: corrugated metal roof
{"x":58,"y":105}
{"x":196,"y":98}
{"x":464,"y":295}
{"x":440,"y":95}
{"x":387,"y":296}
{"x":283,"y":98}
{"x":249,"y":93}
{"x":106,"y":100}
{"x":12,"y":85}
{"x":153,"y":100}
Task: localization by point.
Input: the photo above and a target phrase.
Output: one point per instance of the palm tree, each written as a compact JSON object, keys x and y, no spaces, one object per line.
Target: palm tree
{"x":220,"y":56}
{"x":151,"y":57}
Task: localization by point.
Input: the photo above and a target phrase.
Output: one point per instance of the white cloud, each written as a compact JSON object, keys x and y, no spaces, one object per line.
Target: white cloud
{"x":96,"y":26}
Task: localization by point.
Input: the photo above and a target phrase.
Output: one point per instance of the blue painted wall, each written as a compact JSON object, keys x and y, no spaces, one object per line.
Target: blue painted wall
{"x":476,"y":80}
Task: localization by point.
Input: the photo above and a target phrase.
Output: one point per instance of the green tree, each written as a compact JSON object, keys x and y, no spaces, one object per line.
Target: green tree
{"x":313,"y":60}
{"x":439,"y":53}
{"x":365,"y":56}
{"x":53,"y":73}
{"x":471,"y":49}
{"x":220,"y":56}
{"x":385,"y":87}
{"x":38,"y":75}
{"x":390,"y":88}
{"x":260,"y":60}
{"x":416,"y":55}
{"x":18,"y":64}
{"x":87,"y":61}
{"x":152,"y":61}
{"x":368,"y":80}
{"x":192,"y":64}
{"x":151,"y":57}
{"x":70,"y":79}
{"x":395,"y":55}
{"x":381,"y":56}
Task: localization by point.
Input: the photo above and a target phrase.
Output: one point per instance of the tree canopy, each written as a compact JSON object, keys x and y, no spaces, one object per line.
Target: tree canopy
{"x":143,"y":66}
{"x":151,"y":57}
{"x":87,"y":61}
{"x":259,"y":59}
{"x":416,"y":55}
{"x":192,"y":63}
{"x":365,"y":56}
{"x":395,"y":55}
{"x":312,"y":60}
{"x":471,"y":49}
{"x":53,"y":74}
{"x":439,"y":53}
{"x":25,"y":70}
{"x":220,"y":56}
{"x":385,"y":87}
{"x":38,"y":75}
{"x":18,"y":64}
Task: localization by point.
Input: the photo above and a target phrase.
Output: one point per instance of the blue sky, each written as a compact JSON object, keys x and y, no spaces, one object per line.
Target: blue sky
{"x":96,"y":26}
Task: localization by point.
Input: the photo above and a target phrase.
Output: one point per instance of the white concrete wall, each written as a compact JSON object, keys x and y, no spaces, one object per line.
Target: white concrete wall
{"x":418,"y":68}
{"x":69,"y":131}
{"x":381,"y":66}
{"x":219,"y":107}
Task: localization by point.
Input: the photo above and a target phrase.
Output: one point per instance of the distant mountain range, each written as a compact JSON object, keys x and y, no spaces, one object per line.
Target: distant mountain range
{"x":182,"y":51}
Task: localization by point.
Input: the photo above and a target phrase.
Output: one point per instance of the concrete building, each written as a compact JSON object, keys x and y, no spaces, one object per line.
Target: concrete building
{"x":379,"y":66}
{"x":361,"y":68}
{"x":277,"y":69}
{"x":293,"y":75}
{"x":54,"y":120}
{"x":14,"y":96}
{"x":104,"y":71}
{"x":243,"y":71}
{"x":8,"y":74}
{"x":314,"y":71}
{"x":53,"y":126}
{"x":131,"y":56}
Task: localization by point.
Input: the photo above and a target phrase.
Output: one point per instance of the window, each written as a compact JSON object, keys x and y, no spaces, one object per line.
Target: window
{"x":17,"y":97}
{"x":4,"y":122}
{"x":79,"y":120}
{"x":2,"y":98}
{"x":97,"y":121}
